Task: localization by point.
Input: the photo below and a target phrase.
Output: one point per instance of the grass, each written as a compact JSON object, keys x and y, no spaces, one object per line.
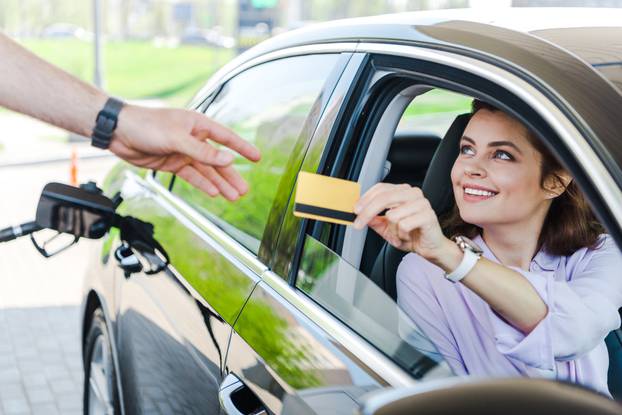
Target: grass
{"x":138,"y":70}
{"x":438,"y":101}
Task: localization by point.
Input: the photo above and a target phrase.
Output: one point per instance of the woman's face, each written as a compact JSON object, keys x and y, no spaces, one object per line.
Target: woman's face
{"x":496,"y":177}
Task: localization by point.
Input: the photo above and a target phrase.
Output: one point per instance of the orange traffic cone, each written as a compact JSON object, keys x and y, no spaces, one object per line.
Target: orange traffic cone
{"x":73,"y":168}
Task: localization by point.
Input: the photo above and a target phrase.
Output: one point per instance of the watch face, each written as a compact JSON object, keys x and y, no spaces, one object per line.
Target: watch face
{"x":465,"y":243}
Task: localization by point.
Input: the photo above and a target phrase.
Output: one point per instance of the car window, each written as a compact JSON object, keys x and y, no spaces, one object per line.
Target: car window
{"x":354,"y":299}
{"x":266,"y":105}
{"x":433,"y":112}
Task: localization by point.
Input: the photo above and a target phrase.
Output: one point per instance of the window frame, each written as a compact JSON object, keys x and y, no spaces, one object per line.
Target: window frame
{"x":272,"y":222}
{"x":387,"y":66}
{"x":444,"y":76}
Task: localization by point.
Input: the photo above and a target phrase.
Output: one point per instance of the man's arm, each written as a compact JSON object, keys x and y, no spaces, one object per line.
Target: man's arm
{"x":165,"y":139}
{"x":37,"y":88}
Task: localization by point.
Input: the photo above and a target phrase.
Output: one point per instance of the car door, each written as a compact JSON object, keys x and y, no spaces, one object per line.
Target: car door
{"x":317,"y":335}
{"x":171,"y":335}
{"x":173,"y":326}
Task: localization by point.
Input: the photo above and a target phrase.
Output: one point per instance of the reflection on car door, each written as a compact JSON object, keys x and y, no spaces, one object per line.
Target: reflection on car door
{"x":173,"y":327}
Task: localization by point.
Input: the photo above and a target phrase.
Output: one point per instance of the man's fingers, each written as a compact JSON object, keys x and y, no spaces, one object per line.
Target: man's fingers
{"x":192,"y":176}
{"x":203,"y":152}
{"x":223,"y":135}
{"x":231,"y":175}
{"x":225,"y":188}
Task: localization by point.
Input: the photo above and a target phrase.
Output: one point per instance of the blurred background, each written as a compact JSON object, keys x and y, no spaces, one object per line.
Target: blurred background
{"x":156,"y":52}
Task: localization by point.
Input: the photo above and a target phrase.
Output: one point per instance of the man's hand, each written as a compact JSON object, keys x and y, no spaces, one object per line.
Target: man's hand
{"x":173,"y":140}
{"x":177,"y":141}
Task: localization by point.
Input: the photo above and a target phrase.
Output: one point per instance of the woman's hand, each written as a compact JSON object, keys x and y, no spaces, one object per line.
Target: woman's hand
{"x":410,"y":223}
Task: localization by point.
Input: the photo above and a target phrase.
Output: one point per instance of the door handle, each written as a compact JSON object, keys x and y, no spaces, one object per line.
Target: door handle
{"x":237,"y":399}
{"x":127,"y":260}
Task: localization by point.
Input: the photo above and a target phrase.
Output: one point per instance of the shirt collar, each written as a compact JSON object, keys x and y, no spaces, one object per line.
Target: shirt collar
{"x":544,"y":260}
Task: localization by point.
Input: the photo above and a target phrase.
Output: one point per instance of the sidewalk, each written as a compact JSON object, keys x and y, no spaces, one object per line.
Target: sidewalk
{"x":40,"y":356}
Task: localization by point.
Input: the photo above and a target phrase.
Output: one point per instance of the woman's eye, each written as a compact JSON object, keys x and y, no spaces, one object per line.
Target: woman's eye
{"x":466,"y":149}
{"x":503,"y":155}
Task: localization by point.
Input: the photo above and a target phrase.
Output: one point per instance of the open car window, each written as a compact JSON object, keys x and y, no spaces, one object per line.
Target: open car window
{"x":360,"y":304}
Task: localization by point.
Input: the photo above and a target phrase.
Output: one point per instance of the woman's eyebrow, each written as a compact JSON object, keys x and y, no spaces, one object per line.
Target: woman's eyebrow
{"x":495,"y":143}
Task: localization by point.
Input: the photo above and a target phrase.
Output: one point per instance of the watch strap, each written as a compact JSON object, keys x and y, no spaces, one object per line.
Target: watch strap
{"x":106,"y":123}
{"x":469,"y":260}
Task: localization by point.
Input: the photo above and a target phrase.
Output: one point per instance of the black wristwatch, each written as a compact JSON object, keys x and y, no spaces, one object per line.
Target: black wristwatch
{"x":106,"y":123}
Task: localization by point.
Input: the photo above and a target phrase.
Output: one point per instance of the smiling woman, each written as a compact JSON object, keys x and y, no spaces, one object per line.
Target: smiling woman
{"x":538,"y":271}
{"x":531,"y":179}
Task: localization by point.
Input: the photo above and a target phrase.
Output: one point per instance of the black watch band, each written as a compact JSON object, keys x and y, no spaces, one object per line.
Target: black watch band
{"x":106,"y":123}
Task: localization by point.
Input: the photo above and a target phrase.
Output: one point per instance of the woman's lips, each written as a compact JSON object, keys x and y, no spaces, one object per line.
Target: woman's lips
{"x":470,"y":197}
{"x":475,"y":198}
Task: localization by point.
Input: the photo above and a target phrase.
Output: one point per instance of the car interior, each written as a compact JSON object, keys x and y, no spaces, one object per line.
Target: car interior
{"x":424,"y":159}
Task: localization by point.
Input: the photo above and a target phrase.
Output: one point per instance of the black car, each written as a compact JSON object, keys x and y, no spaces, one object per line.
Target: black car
{"x":260,"y":311}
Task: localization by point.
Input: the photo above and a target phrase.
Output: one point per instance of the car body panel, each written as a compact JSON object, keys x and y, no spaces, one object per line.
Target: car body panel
{"x":290,"y":363}
{"x":173,"y":328}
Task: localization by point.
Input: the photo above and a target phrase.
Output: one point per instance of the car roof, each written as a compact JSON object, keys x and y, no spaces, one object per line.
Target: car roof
{"x":592,"y":34}
{"x":552,"y":45}
{"x":377,"y":28}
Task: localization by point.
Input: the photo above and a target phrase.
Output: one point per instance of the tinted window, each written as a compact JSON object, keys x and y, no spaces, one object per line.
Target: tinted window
{"x":353,"y":298}
{"x":266,"y":105}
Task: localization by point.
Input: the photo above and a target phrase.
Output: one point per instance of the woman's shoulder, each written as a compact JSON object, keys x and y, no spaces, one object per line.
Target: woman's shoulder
{"x":604,"y":245}
{"x":604,"y":252}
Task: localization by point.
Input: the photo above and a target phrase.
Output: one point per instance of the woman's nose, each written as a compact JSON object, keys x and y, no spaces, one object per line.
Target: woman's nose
{"x":474,"y":170}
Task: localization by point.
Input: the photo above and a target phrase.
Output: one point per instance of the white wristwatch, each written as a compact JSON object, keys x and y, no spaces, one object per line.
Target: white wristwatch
{"x":472,"y":253}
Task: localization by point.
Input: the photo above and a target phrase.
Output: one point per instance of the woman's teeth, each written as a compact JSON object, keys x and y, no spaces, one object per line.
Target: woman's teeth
{"x":478,"y":192}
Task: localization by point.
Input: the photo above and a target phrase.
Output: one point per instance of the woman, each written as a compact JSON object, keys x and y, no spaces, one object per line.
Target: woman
{"x":546,"y":289}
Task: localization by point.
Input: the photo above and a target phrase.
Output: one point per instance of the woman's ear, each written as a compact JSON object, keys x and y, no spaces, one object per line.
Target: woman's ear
{"x":556,"y":184}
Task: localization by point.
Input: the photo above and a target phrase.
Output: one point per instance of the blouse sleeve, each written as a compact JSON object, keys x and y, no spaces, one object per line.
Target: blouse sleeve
{"x":416,"y":298}
{"x":582,"y":310}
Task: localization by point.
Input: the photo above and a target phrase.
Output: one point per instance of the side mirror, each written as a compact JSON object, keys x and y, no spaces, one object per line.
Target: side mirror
{"x":82,"y":212}
{"x":490,"y":397}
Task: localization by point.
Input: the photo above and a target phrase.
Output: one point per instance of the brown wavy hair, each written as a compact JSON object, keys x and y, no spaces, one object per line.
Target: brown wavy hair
{"x":569,"y":224}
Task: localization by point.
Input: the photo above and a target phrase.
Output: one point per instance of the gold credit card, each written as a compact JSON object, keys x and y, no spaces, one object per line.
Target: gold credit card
{"x":326,"y":198}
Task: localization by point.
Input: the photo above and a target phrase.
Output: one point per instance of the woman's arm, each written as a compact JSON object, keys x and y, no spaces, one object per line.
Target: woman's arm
{"x":411,"y":224}
{"x":508,"y":292}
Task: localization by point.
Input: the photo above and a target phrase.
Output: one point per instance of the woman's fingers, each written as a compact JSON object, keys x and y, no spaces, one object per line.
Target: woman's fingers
{"x":374,"y":191}
{"x":407,"y":225}
{"x":396,"y":226}
{"x":383,"y":197}
{"x":379,"y":225}
{"x":407,"y":209}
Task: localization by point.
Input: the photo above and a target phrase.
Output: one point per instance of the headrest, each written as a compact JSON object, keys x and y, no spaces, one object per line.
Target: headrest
{"x":437,"y":186}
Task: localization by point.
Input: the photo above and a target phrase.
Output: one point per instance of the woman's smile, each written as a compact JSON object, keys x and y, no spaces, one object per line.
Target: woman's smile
{"x":475,"y":193}
{"x":496,"y":176}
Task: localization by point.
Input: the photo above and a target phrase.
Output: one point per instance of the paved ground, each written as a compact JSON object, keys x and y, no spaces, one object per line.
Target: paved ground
{"x":40,"y":367}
